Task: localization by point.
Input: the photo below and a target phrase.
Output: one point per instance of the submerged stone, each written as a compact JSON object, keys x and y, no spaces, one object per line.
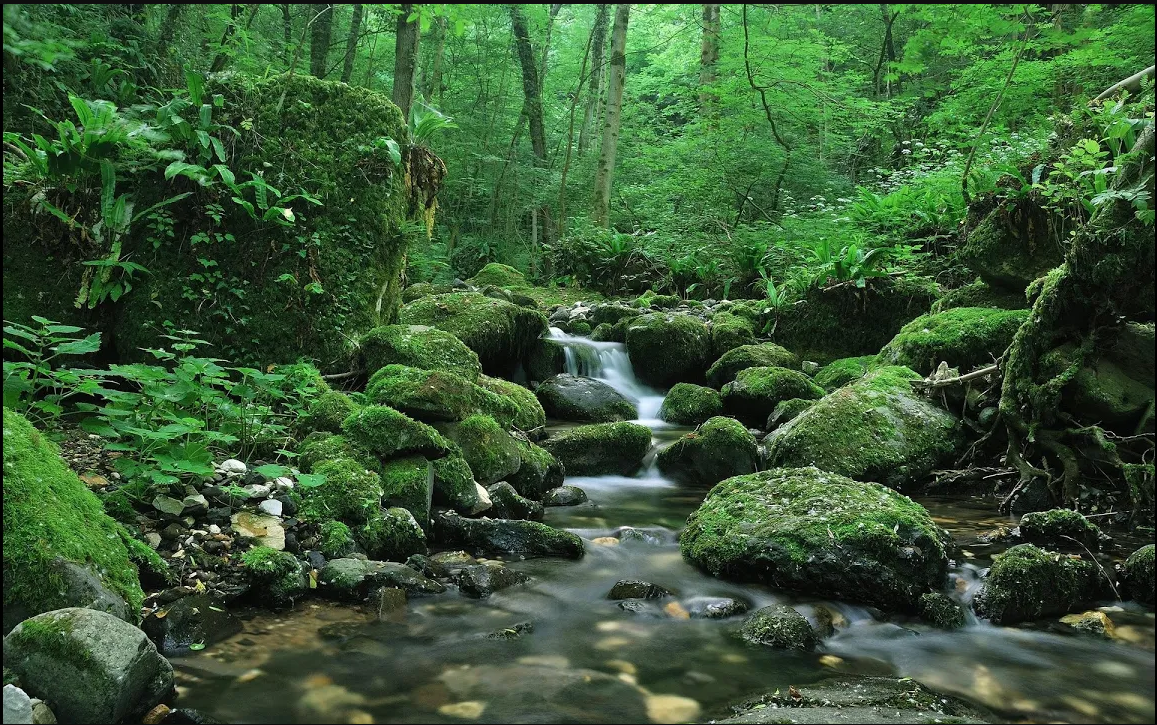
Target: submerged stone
{"x":482,"y":580}
{"x":779,"y":626}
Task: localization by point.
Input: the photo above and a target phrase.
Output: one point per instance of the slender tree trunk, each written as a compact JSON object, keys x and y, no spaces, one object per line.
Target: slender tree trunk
{"x":595,"y":88}
{"x":369,"y":82}
{"x":320,"y":38}
{"x":219,"y":60}
{"x":351,"y":46}
{"x":708,"y":58}
{"x":287,"y":30}
{"x":405,"y":59}
{"x":554,"y":8}
{"x":604,"y":174}
{"x":433,"y":85}
{"x":169,"y":25}
{"x":583,"y":78}
{"x":531,"y":90}
{"x":887,"y":52}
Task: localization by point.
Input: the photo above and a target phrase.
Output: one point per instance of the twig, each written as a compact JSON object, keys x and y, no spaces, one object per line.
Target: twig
{"x":341,"y":376}
{"x":1104,"y":573}
{"x":932,"y":384}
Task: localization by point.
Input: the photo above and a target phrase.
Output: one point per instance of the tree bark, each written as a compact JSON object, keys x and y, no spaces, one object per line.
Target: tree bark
{"x":405,"y":59}
{"x":219,"y":60}
{"x":708,"y":58}
{"x":604,"y":174}
{"x":531,"y":90}
{"x":887,"y":50}
{"x":595,"y":87}
{"x":762,"y":91}
{"x":287,"y":30}
{"x":433,"y":81}
{"x":319,"y":39}
{"x":351,"y":46}
{"x":169,"y":25}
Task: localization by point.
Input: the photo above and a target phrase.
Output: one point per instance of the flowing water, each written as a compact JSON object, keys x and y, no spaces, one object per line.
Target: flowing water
{"x":608,"y":363}
{"x":587,"y":660}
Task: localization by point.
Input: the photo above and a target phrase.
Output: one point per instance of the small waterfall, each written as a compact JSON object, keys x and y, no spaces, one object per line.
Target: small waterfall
{"x":608,"y":362}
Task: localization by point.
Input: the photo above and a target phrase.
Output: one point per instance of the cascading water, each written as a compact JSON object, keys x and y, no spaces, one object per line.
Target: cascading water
{"x":608,"y":362}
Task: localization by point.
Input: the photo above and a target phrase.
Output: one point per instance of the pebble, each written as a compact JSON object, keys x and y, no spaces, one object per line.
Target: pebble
{"x":41,"y":713}
{"x":283,"y":483}
{"x":468,"y":710}
{"x":622,"y":666}
{"x":257,"y":490}
{"x":168,"y":505}
{"x":232,"y":465}
{"x":605,"y":541}
{"x":153,"y":539}
{"x":676,"y":610}
{"x":156,"y":715}
{"x":671,"y":709}
{"x":271,"y":506}
{"x":214,"y":529}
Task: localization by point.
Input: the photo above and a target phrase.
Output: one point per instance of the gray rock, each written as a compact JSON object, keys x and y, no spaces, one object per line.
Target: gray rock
{"x":258,"y":490}
{"x":635,"y":589}
{"x":92,"y":666}
{"x":507,"y":504}
{"x":195,"y":504}
{"x":779,"y":626}
{"x":714,"y":607}
{"x":514,"y":631}
{"x":168,"y":505}
{"x":41,"y":713}
{"x":564,"y":496}
{"x":198,"y":618}
{"x":17,"y":706}
{"x":353,"y":579}
{"x":266,"y":529}
{"x":232,"y":465}
{"x":271,"y":506}
{"x":153,"y":539}
{"x":482,"y":580}
{"x":80,"y":588}
{"x":500,"y":536}
{"x":577,"y":398}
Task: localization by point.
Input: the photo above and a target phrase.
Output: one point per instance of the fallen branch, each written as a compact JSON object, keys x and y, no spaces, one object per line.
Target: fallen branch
{"x":930,"y":383}
{"x":1131,"y":84}
{"x":342,"y":376}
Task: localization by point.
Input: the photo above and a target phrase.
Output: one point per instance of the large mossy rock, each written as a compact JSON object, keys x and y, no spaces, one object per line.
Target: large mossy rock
{"x":386,"y":433}
{"x":584,"y":400}
{"x":601,"y":449}
{"x":491,"y":452}
{"x":719,"y":449}
{"x":326,"y":412}
{"x":817,"y":532}
{"x":394,"y":534}
{"x":875,"y":429}
{"x":1138,"y":575}
{"x":407,"y":483}
{"x":1027,"y":583}
{"x":965,"y":337}
{"x":839,"y":373}
{"x":1011,"y":245}
{"x":1060,"y":528}
{"x":779,"y":626}
{"x":60,"y":548}
{"x":755,"y":392}
{"x":980,"y":294}
{"x":689,"y":404}
{"x":539,"y":472}
{"x":505,"y":537}
{"x":454,"y":485}
{"x":500,"y":333}
{"x":418,"y":346}
{"x":528,"y":411}
{"x":436,"y":396}
{"x":1116,"y":387}
{"x":668,"y":348}
{"x":499,"y":275}
{"x":350,"y":492}
{"x":730,"y":331}
{"x":724,"y":369}
{"x":92,"y":666}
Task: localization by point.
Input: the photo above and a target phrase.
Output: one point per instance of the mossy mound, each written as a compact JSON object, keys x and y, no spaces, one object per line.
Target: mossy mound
{"x":424,"y":289}
{"x":603,"y":448}
{"x":491,"y":452}
{"x":1012,"y":246}
{"x":724,"y":370}
{"x":668,"y":348}
{"x":327,"y":411}
{"x":350,"y":493}
{"x":875,"y":429}
{"x":275,"y":577}
{"x":719,"y":449}
{"x":652,"y":300}
{"x":392,"y":535}
{"x":335,"y":540}
{"x":546,"y":359}
{"x":1061,"y":528}
{"x":787,"y":411}
{"x":1138,"y":575}
{"x":529,"y":413}
{"x":755,"y":392}
{"x":418,"y":346}
{"x":406,"y":483}
{"x":500,"y":333}
{"x":386,"y":433}
{"x":538,"y":473}
{"x":1027,"y":583}
{"x":965,"y":337}
{"x":321,"y":446}
{"x":730,"y":331}
{"x":779,"y":626}
{"x":980,"y":294}
{"x":1115,"y":388}
{"x":607,"y":332}
{"x":57,"y":535}
{"x":688,"y":404}
{"x":941,"y":610}
{"x":576,"y":398}
{"x":839,"y":373}
{"x":611,"y":314}
{"x":817,"y":532}
{"x":499,"y":275}
{"x":454,"y":485}
{"x":436,"y":395}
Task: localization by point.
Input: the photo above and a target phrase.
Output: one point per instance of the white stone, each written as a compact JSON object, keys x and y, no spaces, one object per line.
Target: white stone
{"x":17,"y":706}
{"x":270,"y":506}
{"x":231,"y":465}
{"x":484,"y":501}
{"x":284,"y":483}
{"x":257,"y":490}
{"x":214,"y":529}
{"x":671,"y":709}
{"x":267,"y":530}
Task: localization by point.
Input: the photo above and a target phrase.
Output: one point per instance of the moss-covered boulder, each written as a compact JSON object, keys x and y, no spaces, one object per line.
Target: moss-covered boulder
{"x":839,"y":373}
{"x":1027,"y":583}
{"x":787,"y":411}
{"x":454,"y":485}
{"x":612,"y":313}
{"x":689,"y":404}
{"x":436,"y":395}
{"x":418,"y":346}
{"x":386,"y":433}
{"x":1115,"y":387}
{"x":600,"y":449}
{"x":491,"y":452}
{"x":817,"y":532}
{"x":354,"y":579}
{"x":528,"y":411}
{"x":60,"y":548}
{"x":1011,"y":246}
{"x":424,"y":289}
{"x":275,"y":577}
{"x":875,"y":429}
{"x":965,"y":337}
{"x":321,"y":446}
{"x":728,"y":332}
{"x":326,"y":412}
{"x":941,"y":610}
{"x":653,"y":300}
{"x":1138,"y":575}
{"x":607,"y":332}
{"x":586,"y":400}
{"x":718,"y":449}
{"x":1060,"y":528}
{"x":508,"y":504}
{"x":335,"y":540}
{"x":392,"y":535}
{"x":504,"y":537}
{"x":755,"y":392}
{"x":407,"y":483}
{"x":500,"y":333}
{"x":668,"y":348}
{"x":724,"y":370}
{"x":499,"y":275}
{"x":779,"y":626}
{"x":546,"y":359}
{"x":538,"y":473}
{"x":350,"y":492}
{"x":979,"y":294}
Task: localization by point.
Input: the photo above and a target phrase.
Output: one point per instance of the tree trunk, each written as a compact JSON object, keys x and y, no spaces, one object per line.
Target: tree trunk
{"x":219,"y":60}
{"x":887,"y":52}
{"x":583,"y":78}
{"x":595,"y":87}
{"x":708,"y":58}
{"x":554,"y":8}
{"x":531,"y":90}
{"x":405,"y":59}
{"x":319,"y":39}
{"x":169,"y":25}
{"x":287,"y":30}
{"x":433,"y":85}
{"x":347,"y":70}
{"x":604,"y":174}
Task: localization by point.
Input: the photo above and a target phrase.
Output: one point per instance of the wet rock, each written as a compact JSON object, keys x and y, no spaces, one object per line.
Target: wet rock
{"x":482,"y":580}
{"x":564,"y":496}
{"x":635,"y":589}
{"x":1093,"y":622}
{"x":1138,"y":575}
{"x":353,"y":579}
{"x":507,"y":504}
{"x":754,"y":394}
{"x":392,"y":535}
{"x":389,"y":599}
{"x":576,"y":398}
{"x":640,"y":607}
{"x":668,"y":348}
{"x":17,"y":706}
{"x":631,"y":534}
{"x":718,"y":449}
{"x":288,"y":505}
{"x":714,"y":607}
{"x":41,"y":713}
{"x":687,"y":404}
{"x":200,"y":618}
{"x":725,"y":369}
{"x":454,"y":486}
{"x":453,"y":560}
{"x":779,"y":626}
{"x":1033,"y":496}
{"x":168,"y":505}
{"x":941,"y":610}
{"x":264,"y":529}
{"x":499,"y":536}
{"x":92,"y":666}
{"x":490,"y":451}
{"x":276,"y":577}
{"x":188,"y":716}
{"x":787,"y":411}
{"x":671,"y":709}
{"x":603,"y":448}
{"x":1060,"y":528}
{"x":427,"y":567}
{"x":514,"y":631}
{"x":1027,"y":583}
{"x":540,"y":471}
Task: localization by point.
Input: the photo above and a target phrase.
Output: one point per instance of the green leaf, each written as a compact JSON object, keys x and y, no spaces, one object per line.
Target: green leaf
{"x":198,"y":646}
{"x":195,"y":82}
{"x":272,"y":470}
{"x":310,"y":480}
{"x":79,"y":347}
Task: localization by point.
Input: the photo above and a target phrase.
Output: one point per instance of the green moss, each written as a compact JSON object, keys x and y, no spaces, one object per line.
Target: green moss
{"x":393,"y":535}
{"x":49,"y":513}
{"x":965,"y":337}
{"x":530,"y":414}
{"x":454,"y":484}
{"x":730,"y":331}
{"x":980,"y":294}
{"x":787,"y":411}
{"x":611,"y":314}
{"x":350,"y":492}
{"x":145,"y":559}
{"x":51,"y":634}
{"x":1139,"y":574}
{"x":422,"y":289}
{"x":779,"y":626}
{"x":818,"y":532}
{"x":1027,"y":583}
{"x":651,"y":340}
{"x":490,"y":451}
{"x":725,"y":369}
{"x":755,"y":392}
{"x":718,"y":449}
{"x":602,"y":448}
{"x":119,"y":505}
{"x":839,"y":373}
{"x":500,"y":333}
{"x":650,"y":299}
{"x":321,"y":446}
{"x":1060,"y":527}
{"x":688,"y":404}
{"x":276,"y":575}
{"x":327,"y":411}
{"x":1012,"y":246}
{"x":418,"y":346}
{"x":580,"y":327}
{"x":386,"y":433}
{"x":435,"y":395}
{"x":941,"y":610}
{"x":546,"y":359}
{"x":538,"y":472}
{"x":499,"y":275}
{"x":606,"y":332}
{"x":335,"y":540}
{"x":407,"y":483}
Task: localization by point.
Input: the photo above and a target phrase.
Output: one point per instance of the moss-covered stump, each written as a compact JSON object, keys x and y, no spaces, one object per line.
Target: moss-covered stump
{"x":755,"y":392}
{"x":386,"y":433}
{"x":779,"y":626}
{"x":942,"y":611}
{"x":846,"y":321}
{"x":980,"y":294}
{"x":528,"y":411}
{"x":60,"y":548}
{"x":538,"y":473}
{"x":418,"y":346}
{"x":502,"y":537}
{"x":500,"y":333}
{"x":350,"y":493}
{"x":817,"y":532}
{"x":454,"y":486}
{"x":424,"y":289}
{"x":1138,"y":575}
{"x":668,"y":348}
{"x":719,"y":449}
{"x":600,"y":449}
{"x":689,"y":404}
{"x":326,"y":412}
{"x":839,"y":373}
{"x":1060,"y":528}
{"x":1027,"y":583}
{"x":1011,"y":246}
{"x":875,"y":429}
{"x":436,"y":395}
{"x":724,"y":369}
{"x":275,"y":577}
{"x":392,"y":535}
{"x":407,"y":483}
{"x":491,"y":452}
{"x":965,"y":337}
{"x":728,"y":332}
{"x":585,"y":400}
{"x":499,"y":275}
{"x":787,"y":411}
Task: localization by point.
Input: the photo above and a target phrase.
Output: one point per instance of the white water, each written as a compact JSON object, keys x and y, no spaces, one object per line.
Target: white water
{"x":607,"y":362}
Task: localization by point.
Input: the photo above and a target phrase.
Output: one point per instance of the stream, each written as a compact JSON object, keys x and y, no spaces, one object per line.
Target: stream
{"x":433,"y":662}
